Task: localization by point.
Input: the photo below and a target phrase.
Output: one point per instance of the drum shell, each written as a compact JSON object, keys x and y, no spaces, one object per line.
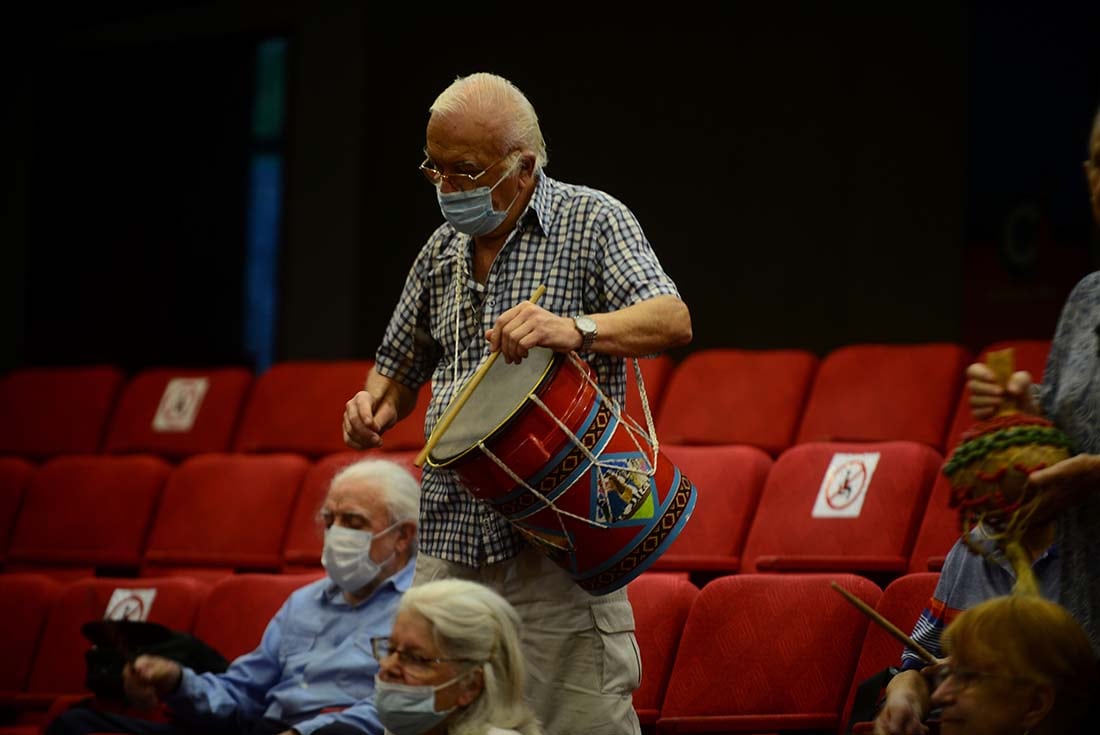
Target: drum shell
{"x":536,"y":449}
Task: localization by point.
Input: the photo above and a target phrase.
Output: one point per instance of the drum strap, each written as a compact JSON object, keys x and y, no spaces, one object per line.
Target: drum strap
{"x":645,"y":405}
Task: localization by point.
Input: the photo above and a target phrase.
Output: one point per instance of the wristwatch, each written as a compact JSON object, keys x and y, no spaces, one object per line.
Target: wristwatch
{"x":587,"y":327}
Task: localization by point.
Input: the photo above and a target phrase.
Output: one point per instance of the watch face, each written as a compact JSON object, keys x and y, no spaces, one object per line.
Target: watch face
{"x":585,"y":324}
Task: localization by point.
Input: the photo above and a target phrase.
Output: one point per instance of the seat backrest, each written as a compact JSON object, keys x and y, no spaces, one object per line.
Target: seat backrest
{"x":901,"y":603}
{"x":842,"y":507}
{"x":34,"y":400}
{"x":872,"y":392}
{"x":225,"y":511}
{"x":84,"y":512}
{"x":299,"y":406}
{"x":661,"y":603}
{"x":177,"y":412}
{"x":766,"y":652}
{"x":728,"y":481}
{"x":305,"y":535}
{"x":655,"y":374}
{"x":26,"y":600}
{"x":939,"y":529}
{"x":59,"y":666}
{"x":235,"y":613}
{"x":15,"y":475}
{"x":728,"y":396}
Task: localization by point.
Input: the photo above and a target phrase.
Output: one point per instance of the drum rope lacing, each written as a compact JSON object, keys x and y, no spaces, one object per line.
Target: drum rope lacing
{"x":624,"y":421}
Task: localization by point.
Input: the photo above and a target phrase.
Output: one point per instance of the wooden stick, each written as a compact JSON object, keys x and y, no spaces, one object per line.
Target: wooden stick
{"x":449,"y":415}
{"x":885,"y":624}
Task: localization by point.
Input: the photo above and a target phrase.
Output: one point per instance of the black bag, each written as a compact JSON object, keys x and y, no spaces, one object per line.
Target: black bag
{"x":869,"y":696}
{"x":118,"y":642}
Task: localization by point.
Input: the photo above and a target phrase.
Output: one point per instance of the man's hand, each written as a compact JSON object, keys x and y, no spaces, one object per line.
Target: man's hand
{"x":364,"y":422}
{"x":527,"y":325}
{"x":150,"y":678}
{"x":987,"y":396}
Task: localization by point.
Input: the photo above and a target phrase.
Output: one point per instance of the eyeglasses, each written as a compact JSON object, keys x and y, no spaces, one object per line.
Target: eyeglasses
{"x":963,"y":679}
{"x":459,"y":181}
{"x":383,"y":647}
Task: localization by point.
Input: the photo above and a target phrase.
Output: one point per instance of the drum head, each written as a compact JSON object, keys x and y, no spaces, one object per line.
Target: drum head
{"x":499,"y":395}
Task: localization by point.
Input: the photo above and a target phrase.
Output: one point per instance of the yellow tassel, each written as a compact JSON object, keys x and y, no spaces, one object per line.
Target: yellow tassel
{"x":1020,"y":559}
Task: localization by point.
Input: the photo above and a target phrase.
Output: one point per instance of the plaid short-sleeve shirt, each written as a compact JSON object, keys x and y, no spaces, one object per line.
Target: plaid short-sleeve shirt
{"x":589,"y":251}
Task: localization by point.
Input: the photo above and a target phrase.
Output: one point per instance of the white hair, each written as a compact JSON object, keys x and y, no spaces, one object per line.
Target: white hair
{"x":400,"y":490}
{"x":502,"y":102}
{"x":471,"y":621}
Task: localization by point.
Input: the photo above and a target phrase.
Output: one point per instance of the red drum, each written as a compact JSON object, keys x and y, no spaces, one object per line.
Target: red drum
{"x":540,"y":444}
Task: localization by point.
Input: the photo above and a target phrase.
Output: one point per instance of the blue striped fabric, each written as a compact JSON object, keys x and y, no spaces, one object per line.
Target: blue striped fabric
{"x":967,"y":579}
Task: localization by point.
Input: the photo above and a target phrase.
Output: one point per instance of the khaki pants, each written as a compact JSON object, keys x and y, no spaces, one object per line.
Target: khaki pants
{"x":582,"y":657}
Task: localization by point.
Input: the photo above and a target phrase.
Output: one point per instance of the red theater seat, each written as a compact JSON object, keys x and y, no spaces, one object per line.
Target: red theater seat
{"x":51,"y":411}
{"x":841,"y":507}
{"x":59,"y":667}
{"x":766,"y":652}
{"x":299,"y":407}
{"x":901,"y":603}
{"x":223,"y":513}
{"x":235,"y":613}
{"x":939,"y":529}
{"x":305,"y":536}
{"x":727,"y":396}
{"x":15,"y":475}
{"x":655,"y":374}
{"x":869,"y":393}
{"x":728,"y":481}
{"x":26,"y":600}
{"x":176,"y":412}
{"x":661,"y":603}
{"x":86,"y":512}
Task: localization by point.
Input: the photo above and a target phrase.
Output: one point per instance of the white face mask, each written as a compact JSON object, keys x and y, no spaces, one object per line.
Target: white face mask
{"x":406,"y":709}
{"x":346,"y":557}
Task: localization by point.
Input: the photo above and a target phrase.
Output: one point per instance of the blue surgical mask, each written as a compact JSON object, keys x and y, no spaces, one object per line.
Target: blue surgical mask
{"x":406,"y":709}
{"x":346,"y":557}
{"x":471,"y":212}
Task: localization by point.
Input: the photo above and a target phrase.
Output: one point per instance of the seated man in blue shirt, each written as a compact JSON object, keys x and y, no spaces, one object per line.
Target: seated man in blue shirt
{"x":313,"y":672}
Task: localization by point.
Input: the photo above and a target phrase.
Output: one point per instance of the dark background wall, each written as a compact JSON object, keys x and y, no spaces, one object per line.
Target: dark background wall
{"x":811,"y":174}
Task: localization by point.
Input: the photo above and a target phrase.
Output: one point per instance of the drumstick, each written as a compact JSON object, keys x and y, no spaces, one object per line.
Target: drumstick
{"x":885,"y":624}
{"x":464,"y":395}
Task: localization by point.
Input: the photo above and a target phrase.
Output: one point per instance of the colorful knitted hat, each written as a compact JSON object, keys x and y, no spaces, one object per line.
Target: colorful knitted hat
{"x":989,"y":470}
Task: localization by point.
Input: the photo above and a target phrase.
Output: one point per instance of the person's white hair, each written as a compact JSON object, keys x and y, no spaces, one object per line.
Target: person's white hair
{"x":499,"y":100}
{"x":400,"y":490}
{"x":471,"y":621}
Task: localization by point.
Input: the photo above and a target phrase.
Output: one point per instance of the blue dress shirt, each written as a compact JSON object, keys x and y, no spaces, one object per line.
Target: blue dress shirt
{"x":314,"y":655}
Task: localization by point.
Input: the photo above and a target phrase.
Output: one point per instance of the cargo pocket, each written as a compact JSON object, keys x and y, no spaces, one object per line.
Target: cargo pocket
{"x":622,"y":663}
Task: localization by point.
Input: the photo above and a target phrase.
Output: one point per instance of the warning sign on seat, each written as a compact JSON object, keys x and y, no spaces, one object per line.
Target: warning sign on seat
{"x":845,"y":485}
{"x":179,"y":406}
{"x":127,"y":604}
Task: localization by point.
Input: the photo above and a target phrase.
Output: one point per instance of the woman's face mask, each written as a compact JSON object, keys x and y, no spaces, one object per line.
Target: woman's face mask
{"x":407,"y":709}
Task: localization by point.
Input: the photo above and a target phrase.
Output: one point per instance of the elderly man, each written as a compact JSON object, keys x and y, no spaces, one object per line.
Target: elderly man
{"x":313,"y":672}
{"x":510,"y":228}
